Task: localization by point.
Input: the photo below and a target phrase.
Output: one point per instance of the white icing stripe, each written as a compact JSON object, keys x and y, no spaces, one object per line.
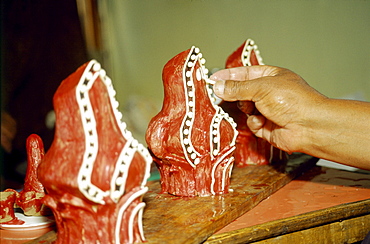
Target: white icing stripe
{"x":140,"y":217}
{"x":122,"y":210}
{"x":135,"y":212}
{"x":227,"y":169}
{"x":216,"y":165}
{"x":246,"y":53}
{"x":118,"y":181}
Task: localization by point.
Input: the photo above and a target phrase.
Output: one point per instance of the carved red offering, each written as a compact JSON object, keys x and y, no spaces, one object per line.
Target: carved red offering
{"x":30,"y":198}
{"x":95,"y":172}
{"x":250,"y":150}
{"x":191,"y":139}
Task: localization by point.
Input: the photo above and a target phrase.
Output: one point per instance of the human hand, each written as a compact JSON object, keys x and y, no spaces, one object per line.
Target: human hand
{"x":283,"y":99}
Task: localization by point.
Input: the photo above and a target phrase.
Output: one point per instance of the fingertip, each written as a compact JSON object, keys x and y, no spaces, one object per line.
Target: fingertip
{"x":219,"y":87}
{"x":220,"y":75}
{"x":255,"y":124}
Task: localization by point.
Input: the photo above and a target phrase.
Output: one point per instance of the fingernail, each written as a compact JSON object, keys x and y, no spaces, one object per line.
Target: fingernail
{"x":219,"y":87}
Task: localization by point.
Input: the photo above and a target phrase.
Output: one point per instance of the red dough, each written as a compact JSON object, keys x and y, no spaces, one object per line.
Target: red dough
{"x":250,"y":150}
{"x":191,"y":139}
{"x":30,"y":198}
{"x":246,"y":55}
{"x":95,"y":171}
{"x":35,"y":153}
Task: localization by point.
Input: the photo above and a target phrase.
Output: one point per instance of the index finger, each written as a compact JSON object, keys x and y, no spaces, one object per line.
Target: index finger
{"x":245,"y":73}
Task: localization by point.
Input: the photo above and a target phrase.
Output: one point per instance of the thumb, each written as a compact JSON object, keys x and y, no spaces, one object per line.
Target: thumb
{"x":227,"y":90}
{"x":230,"y":90}
{"x":243,"y":83}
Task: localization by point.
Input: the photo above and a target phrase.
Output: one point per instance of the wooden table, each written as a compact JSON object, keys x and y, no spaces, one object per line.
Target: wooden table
{"x":322,"y":206}
{"x":169,"y":219}
{"x":347,"y":223}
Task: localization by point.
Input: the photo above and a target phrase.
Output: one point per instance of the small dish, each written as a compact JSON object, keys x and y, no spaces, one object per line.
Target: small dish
{"x":30,"y":222}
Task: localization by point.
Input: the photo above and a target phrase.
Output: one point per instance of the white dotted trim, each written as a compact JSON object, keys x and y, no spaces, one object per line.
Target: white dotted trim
{"x":215,"y":130}
{"x":137,"y":211}
{"x":120,"y":174}
{"x":246,"y":53}
{"x":118,"y":181}
{"x":191,"y":155}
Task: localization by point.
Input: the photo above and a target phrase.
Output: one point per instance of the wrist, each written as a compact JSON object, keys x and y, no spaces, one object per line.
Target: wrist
{"x":338,"y":130}
{"x":317,"y":126}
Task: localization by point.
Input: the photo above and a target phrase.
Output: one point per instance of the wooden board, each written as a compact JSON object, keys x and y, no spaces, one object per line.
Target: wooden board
{"x":345,"y":223}
{"x":170,"y":219}
{"x":347,"y":231}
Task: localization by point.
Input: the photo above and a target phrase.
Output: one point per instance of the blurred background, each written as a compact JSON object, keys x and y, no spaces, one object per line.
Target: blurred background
{"x":327,"y":42}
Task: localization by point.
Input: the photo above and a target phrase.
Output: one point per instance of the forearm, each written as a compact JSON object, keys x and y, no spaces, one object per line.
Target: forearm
{"x":340,"y":131}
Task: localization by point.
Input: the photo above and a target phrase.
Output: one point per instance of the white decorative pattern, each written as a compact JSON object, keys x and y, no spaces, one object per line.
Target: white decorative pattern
{"x":118,"y":181}
{"x":246,"y":54}
{"x":136,"y":212}
{"x":191,"y":155}
{"x":224,"y":171}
